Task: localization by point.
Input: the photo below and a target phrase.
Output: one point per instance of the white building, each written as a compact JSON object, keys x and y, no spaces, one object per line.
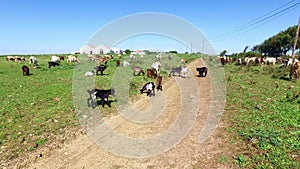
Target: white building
{"x":100,"y":49}
{"x":86,"y":49}
{"x":116,"y":50}
{"x":138,"y":52}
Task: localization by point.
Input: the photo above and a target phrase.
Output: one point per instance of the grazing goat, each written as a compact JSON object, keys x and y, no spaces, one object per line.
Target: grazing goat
{"x":295,"y":70}
{"x":184,"y":71}
{"x":156,"y":66}
{"x":33,"y":60}
{"x":202,"y":71}
{"x":159,"y":83}
{"x":148,"y":88}
{"x":101,"y":60}
{"x":151,"y":73}
{"x":100,"y":69}
{"x":222,"y":60}
{"x":158,"y":57}
{"x":175,"y":70}
{"x":182,"y":61}
{"x":10,"y":58}
{"x":132,"y":57}
{"x":89,"y":73}
{"x":61,"y":58}
{"x":137,"y":71}
{"x":96,"y":94}
{"x":54,"y":59}
{"x":25,"y":70}
{"x":72,"y":58}
{"x":289,"y":61}
{"x":53,"y":64}
{"x":125,"y":63}
{"x":118,"y":63}
{"x":269,"y":60}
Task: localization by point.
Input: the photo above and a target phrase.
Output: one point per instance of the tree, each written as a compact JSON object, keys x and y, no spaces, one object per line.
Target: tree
{"x":223,"y":53}
{"x":278,"y":44}
{"x":245,"y":49}
{"x":127,"y":51}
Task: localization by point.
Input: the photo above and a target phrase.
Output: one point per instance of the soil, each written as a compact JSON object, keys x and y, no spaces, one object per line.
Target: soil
{"x":78,"y":151}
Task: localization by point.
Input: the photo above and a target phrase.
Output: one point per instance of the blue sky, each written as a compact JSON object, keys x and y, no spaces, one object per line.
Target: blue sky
{"x":37,"y":26}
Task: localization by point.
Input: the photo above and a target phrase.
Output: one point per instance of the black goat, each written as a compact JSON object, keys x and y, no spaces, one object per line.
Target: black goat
{"x":25,"y":70}
{"x":100,"y":69}
{"x":53,"y":64}
{"x":202,"y":71}
{"x":96,"y":94}
{"x":149,"y":88}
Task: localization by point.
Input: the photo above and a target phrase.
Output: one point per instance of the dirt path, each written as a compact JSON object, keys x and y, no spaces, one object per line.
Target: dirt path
{"x":83,"y":153}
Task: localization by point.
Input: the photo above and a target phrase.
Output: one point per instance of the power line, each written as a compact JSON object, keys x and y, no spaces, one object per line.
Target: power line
{"x":261,"y":19}
{"x":254,"y":20}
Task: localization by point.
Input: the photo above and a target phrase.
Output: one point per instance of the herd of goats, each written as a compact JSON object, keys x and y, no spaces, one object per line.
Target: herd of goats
{"x":153,"y":72}
{"x":148,"y":88}
{"x":95,"y":94}
{"x":293,"y":64}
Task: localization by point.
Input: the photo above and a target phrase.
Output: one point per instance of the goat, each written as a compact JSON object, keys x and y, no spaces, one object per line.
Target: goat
{"x":25,"y":70}
{"x":149,"y":88}
{"x":184,"y":71}
{"x":89,"y":73}
{"x":159,"y":83}
{"x":175,"y":70}
{"x":295,"y":70}
{"x":99,"y":94}
{"x":118,"y":63}
{"x":202,"y":71}
{"x":125,"y":63}
{"x":100,"y":69}
{"x":33,"y":60}
{"x":158,"y":57}
{"x":137,"y":70}
{"x":53,"y":64}
{"x":72,"y":58}
{"x":54,"y":59}
{"x":151,"y":73}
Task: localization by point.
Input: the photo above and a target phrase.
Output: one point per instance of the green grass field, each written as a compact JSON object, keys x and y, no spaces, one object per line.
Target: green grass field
{"x":37,"y":107}
{"x":262,"y":108}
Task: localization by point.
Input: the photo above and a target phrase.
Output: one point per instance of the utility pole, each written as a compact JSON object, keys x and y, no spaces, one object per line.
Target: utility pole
{"x":191,"y":48}
{"x":295,"y":42}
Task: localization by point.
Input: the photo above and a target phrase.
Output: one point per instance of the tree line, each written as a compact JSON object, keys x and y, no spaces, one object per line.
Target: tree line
{"x":279,"y":44}
{"x":275,"y":46}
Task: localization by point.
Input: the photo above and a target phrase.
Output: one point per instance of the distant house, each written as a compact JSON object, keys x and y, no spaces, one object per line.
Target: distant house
{"x":87,"y":49}
{"x":138,"y":52}
{"x":116,"y":50}
{"x":101,"y":49}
